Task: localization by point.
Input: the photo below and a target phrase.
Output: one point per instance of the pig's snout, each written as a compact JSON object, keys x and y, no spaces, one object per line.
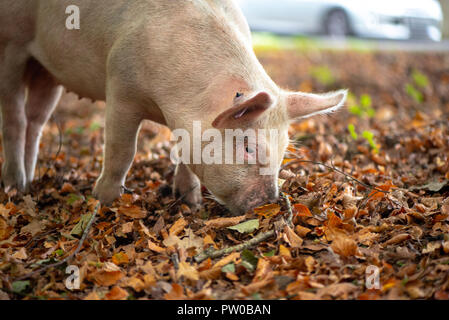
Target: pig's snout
{"x":255,"y":198}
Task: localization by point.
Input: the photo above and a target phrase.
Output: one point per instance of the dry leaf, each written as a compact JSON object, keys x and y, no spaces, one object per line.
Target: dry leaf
{"x":187,"y":271}
{"x":292,"y":238}
{"x":132,"y":211}
{"x":178,"y":227}
{"x":117,"y":293}
{"x":176,"y":293}
{"x":344,"y":246}
{"x":224,"y":222}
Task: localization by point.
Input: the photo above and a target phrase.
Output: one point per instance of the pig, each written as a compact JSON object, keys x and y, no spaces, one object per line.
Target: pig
{"x":171,"y":62}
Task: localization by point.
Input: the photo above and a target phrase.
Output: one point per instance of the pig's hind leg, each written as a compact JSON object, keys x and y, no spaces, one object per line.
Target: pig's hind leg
{"x":13,"y":62}
{"x":43,"y":96}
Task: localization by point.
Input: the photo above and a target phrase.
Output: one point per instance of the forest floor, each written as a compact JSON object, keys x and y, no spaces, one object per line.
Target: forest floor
{"x":391,"y":218}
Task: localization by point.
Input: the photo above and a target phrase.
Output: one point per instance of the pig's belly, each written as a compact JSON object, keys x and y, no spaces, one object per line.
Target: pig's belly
{"x":78,"y":70}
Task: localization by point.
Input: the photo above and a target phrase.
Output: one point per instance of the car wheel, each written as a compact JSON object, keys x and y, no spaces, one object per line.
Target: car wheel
{"x":337,"y":24}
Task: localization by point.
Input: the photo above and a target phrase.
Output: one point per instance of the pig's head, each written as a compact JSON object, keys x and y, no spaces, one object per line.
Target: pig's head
{"x":241,"y":187}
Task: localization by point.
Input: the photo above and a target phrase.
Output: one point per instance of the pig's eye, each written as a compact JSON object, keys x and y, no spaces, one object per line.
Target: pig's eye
{"x":249,"y":150}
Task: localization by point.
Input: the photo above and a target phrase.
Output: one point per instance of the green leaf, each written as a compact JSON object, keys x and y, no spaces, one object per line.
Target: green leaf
{"x":356,"y":110}
{"x":434,"y":186}
{"x":414,"y":93}
{"x":20,"y":286}
{"x":352,"y":131}
{"x":369,"y":136}
{"x":365,"y":101}
{"x":81,"y":225}
{"x":247,"y":226}
{"x":249,"y":260}
{"x":228,"y":268}
{"x":95,"y":126}
{"x":72,"y":198}
{"x":420,"y":79}
{"x":270,"y":253}
{"x":323,"y":75}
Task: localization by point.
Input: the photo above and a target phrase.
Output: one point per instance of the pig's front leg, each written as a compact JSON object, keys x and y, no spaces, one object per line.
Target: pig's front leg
{"x":121,"y":131}
{"x":187,"y":186}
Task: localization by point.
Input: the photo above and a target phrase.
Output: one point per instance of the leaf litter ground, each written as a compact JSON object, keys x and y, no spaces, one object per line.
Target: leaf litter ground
{"x":394,"y":136}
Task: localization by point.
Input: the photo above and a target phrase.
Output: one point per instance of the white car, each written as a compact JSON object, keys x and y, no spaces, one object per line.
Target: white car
{"x":381,"y":19}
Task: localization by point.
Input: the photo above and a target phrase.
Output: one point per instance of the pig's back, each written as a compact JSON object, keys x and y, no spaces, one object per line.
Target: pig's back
{"x":79,"y":58}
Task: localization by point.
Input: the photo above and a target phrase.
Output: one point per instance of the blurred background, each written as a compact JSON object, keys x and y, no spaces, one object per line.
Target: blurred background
{"x":402,"y":24}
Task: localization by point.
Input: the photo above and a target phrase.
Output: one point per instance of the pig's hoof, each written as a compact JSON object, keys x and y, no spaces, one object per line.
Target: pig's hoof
{"x":12,"y":178}
{"x":190,"y":195}
{"x":106,"y":194}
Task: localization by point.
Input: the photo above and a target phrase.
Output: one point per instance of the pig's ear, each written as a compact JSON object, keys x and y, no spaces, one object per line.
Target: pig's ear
{"x":303,"y":105}
{"x":245,"y":112}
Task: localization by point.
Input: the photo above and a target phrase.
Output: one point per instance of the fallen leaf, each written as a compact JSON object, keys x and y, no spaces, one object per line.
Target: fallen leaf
{"x":398,"y":239}
{"x":224,"y":222}
{"x":187,"y":271}
{"x":176,"y":293}
{"x":301,"y":210}
{"x":21,"y":254}
{"x":268,"y":211}
{"x":247,"y":226}
{"x":283,"y":251}
{"x":344,"y":246}
{"x":292,"y":238}
{"x":178,"y":227}
{"x":132,"y":211}
{"x":120,"y":258}
{"x":117,"y":293}
{"x":155,"y":247}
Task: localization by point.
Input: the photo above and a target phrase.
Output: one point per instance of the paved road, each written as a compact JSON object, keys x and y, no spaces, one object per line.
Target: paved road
{"x":271,"y":40}
{"x":386,"y":45}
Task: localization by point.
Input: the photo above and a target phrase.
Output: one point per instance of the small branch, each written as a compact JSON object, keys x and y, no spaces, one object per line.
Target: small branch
{"x":240,"y":247}
{"x":289,"y":208}
{"x":336,"y":170}
{"x":72,"y":255}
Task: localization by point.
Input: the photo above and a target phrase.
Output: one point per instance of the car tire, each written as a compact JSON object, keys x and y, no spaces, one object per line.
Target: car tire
{"x":337,"y":24}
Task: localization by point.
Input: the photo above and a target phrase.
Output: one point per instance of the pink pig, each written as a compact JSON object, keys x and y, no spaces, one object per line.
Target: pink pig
{"x":173,"y":62}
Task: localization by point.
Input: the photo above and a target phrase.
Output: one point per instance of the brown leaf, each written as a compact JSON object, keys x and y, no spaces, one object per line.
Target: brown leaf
{"x":132,"y":211}
{"x":301,"y":210}
{"x":135,"y":283}
{"x":21,"y":254}
{"x":292,"y":238}
{"x":5,"y":230}
{"x":268,"y":210}
{"x":117,"y":293}
{"x":155,"y":247}
{"x":344,"y":246}
{"x":302,"y":231}
{"x":178,"y":227}
{"x":107,"y":278}
{"x":120,"y":258}
{"x":176,"y":293}
{"x":227,"y":260}
{"x":397,"y":239}
{"x":188,"y":271}
{"x":283,"y":251}
{"x":224,"y":222}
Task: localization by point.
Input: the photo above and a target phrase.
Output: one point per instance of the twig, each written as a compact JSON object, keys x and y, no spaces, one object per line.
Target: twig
{"x":289,"y":208}
{"x":245,"y":245}
{"x":336,"y":170}
{"x":72,"y":255}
